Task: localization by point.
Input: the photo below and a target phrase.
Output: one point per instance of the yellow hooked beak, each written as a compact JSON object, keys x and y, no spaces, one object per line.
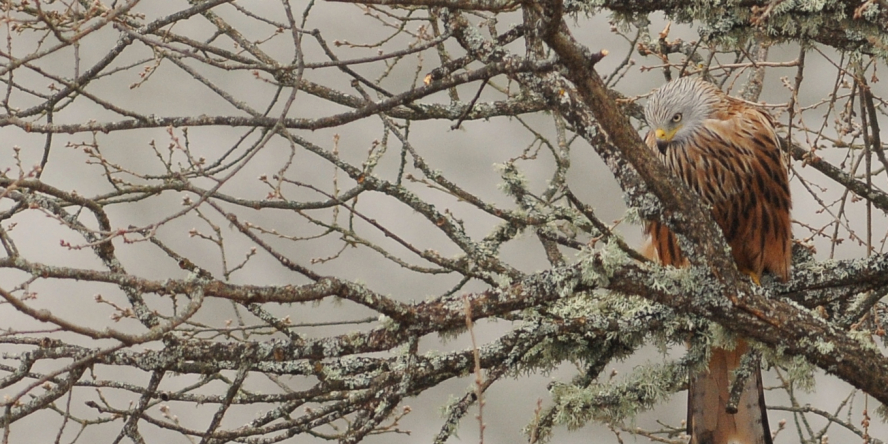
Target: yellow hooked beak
{"x":664,"y":137}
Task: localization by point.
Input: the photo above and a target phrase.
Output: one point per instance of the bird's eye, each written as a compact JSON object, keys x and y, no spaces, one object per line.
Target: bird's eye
{"x":676,"y":118}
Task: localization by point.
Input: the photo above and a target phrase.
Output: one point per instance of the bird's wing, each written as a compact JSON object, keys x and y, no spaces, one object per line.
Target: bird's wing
{"x":754,"y":210}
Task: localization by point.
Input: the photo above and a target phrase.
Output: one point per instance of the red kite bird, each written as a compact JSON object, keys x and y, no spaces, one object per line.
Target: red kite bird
{"x":729,"y":154}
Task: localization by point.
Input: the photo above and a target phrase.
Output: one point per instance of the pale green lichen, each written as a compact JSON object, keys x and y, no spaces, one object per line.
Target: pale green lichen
{"x":632,"y":217}
{"x":513,"y":178}
{"x":824,"y":347}
{"x":730,"y":24}
{"x":722,"y":337}
{"x":616,"y":402}
{"x":502,"y":280}
{"x":388,"y":323}
{"x":800,"y":372}
{"x":597,"y":266}
{"x":864,"y":338}
{"x":872,"y":12}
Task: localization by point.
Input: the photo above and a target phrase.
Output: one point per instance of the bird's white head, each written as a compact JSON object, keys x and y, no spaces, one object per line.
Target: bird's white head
{"x":678,"y":109}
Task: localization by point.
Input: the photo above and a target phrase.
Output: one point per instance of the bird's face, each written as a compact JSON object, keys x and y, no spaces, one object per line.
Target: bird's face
{"x":676,"y":110}
{"x":666,"y":131}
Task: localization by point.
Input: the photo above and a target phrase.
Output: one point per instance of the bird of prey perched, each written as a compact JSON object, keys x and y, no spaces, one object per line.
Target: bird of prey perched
{"x":729,"y":154}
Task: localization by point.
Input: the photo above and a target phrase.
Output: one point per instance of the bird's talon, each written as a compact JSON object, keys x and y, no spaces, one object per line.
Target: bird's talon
{"x":754,"y":276}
